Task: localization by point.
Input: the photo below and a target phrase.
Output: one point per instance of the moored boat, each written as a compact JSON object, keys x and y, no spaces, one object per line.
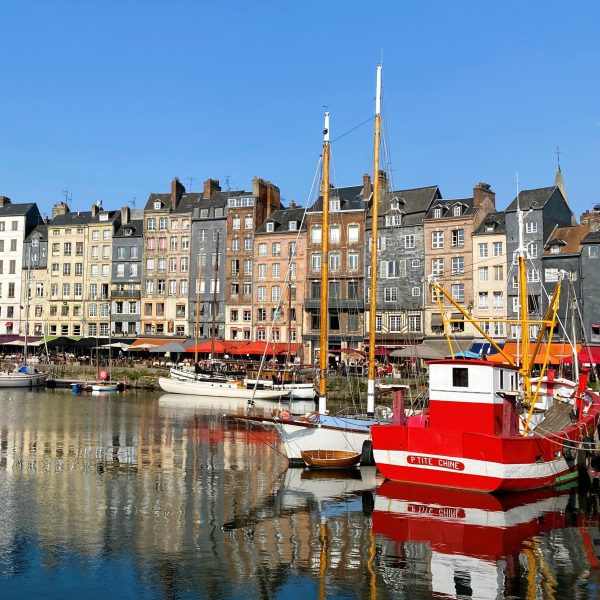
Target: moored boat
{"x":330,"y":459}
{"x":217,"y":388}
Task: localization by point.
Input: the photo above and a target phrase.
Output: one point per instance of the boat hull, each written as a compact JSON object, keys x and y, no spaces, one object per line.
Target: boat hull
{"x":330,"y":459}
{"x":17,"y":380}
{"x":108,"y":387}
{"x":475,"y":461}
{"x":216,"y":389}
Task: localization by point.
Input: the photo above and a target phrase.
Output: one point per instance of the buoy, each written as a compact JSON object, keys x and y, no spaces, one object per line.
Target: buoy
{"x":284,"y":414}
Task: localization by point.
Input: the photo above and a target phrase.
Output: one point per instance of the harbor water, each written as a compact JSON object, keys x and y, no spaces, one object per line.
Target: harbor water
{"x":158,"y":496}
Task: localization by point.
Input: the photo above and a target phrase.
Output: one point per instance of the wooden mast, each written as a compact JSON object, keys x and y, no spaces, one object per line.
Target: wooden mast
{"x":324,"y":325}
{"x":214,"y":305}
{"x":198,"y":284}
{"x":373,"y":284}
{"x":525,"y":367}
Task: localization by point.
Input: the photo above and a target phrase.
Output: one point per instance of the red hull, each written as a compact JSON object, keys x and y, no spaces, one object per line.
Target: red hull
{"x":477,"y":461}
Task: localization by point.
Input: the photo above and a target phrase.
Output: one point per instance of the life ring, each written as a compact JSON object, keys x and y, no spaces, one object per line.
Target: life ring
{"x":103,"y":374}
{"x":284,"y":414}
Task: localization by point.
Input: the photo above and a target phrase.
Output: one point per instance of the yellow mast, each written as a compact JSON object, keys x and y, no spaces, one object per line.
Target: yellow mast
{"x":324,"y":326}
{"x":199,"y":281}
{"x":373,"y":283}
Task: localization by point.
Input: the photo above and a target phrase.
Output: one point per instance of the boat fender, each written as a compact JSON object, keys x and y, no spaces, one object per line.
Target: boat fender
{"x":366,"y":454}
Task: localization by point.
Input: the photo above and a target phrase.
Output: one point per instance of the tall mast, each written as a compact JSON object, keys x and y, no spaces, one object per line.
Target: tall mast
{"x":214,"y":307}
{"x":324,"y":326}
{"x":521,"y":253}
{"x":373,"y":284}
{"x":198,"y":283}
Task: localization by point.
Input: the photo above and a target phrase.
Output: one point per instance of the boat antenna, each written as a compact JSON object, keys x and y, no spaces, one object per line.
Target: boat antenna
{"x":373,"y":284}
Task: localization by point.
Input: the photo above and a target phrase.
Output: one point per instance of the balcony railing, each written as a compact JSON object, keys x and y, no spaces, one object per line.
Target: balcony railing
{"x":126,"y":294}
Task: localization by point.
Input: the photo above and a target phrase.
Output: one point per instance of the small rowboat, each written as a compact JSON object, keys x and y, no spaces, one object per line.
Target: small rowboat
{"x":330,"y":459}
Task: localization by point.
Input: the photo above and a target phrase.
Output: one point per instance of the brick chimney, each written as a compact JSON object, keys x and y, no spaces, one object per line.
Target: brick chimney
{"x":177,"y":190}
{"x":292,"y":204}
{"x":60,"y":208}
{"x":383,"y":180}
{"x":366,"y":185}
{"x":210,"y":187}
{"x":125,"y":215}
{"x":482,"y":191}
{"x":95,"y":209}
{"x":4,"y":200}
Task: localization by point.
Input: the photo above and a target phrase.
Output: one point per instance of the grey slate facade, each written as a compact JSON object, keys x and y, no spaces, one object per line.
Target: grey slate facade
{"x":590,"y":284}
{"x":401,"y":262}
{"x":126,"y":275}
{"x":548,"y":210}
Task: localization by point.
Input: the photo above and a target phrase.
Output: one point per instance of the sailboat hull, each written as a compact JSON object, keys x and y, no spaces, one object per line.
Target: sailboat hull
{"x":225,"y":389}
{"x":17,"y":380}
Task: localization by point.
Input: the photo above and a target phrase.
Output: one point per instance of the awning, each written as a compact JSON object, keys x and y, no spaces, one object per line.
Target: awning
{"x":559,"y":353}
{"x":268,"y":348}
{"x":436,"y":320}
{"x":485,"y":348}
{"x":587,"y":356}
{"x":9,"y":323}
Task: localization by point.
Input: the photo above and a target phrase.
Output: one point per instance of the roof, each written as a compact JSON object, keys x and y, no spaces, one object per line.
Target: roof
{"x":569,"y":238}
{"x":40,"y":230}
{"x":137,"y":226}
{"x":537,"y":196}
{"x":351,"y":198}
{"x":14,"y":210}
{"x":83,"y":218}
{"x":218,"y":199}
{"x":282,"y":217}
{"x":593,"y":237}
{"x":497,"y":220}
{"x":448,"y":208}
{"x":413,"y":203}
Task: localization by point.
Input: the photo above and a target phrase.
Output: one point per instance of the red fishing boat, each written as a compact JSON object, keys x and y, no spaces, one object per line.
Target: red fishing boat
{"x":479,"y":432}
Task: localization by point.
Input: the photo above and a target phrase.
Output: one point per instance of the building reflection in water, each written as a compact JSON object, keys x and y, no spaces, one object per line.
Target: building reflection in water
{"x":174,"y":500}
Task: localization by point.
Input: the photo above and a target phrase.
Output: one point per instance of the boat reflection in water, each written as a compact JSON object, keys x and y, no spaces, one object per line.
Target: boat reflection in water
{"x":471,"y":545}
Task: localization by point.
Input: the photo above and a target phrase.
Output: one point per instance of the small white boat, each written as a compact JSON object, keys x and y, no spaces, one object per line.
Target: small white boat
{"x":24,"y":376}
{"x":105,"y":386}
{"x":218,"y":389}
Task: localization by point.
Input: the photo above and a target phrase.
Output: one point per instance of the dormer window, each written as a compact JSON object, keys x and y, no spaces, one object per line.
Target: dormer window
{"x":157,"y":205}
{"x":489,"y":227}
{"x":128,"y":231}
{"x":270,"y":227}
{"x":554,"y":249}
{"x":437,"y":213}
{"x":457,"y":211}
{"x":35,"y":242}
{"x":204,"y":213}
{"x":103,"y":216}
{"x":293,"y":226}
{"x":393,"y":220}
{"x":334,"y":205}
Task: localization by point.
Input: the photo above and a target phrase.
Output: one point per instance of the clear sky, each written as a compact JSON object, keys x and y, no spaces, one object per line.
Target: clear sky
{"x":112,"y":99}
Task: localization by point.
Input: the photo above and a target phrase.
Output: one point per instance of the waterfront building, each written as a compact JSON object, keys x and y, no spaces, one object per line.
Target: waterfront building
{"x":449,"y":256}
{"x":16,"y":222}
{"x":489,"y":275}
{"x":401,"y":265}
{"x":126,"y":274}
{"x":246,"y":211}
{"x":279,"y":276}
{"x":79,"y":261}
{"x":346,"y":299}
{"x":207,"y":280}
{"x":166,"y":261}
{"x":35,"y":271}
{"x":545,"y":208}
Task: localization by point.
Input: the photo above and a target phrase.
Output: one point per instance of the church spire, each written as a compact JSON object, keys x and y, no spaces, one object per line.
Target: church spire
{"x":559,"y":182}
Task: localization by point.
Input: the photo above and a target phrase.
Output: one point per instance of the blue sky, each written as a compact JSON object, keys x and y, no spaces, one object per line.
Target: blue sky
{"x":110,"y":100}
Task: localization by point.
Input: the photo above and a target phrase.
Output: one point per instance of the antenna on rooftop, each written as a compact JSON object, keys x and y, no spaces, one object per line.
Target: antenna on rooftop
{"x":191,"y":181}
{"x":558,"y":156}
{"x":68,"y":197}
{"x":227,"y":183}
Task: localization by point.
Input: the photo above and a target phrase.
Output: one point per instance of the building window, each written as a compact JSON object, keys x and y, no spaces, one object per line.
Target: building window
{"x":390,"y":294}
{"x":594,"y":251}
{"x":437,"y":266}
{"x":409,"y":241}
{"x":531,"y":227}
{"x":150,"y":225}
{"x":334,"y":261}
{"x":497,"y":248}
{"x":248,"y":222}
{"x":458,"y":292}
{"x":483,"y":273}
{"x":437,"y":213}
{"x":458,"y":265}
{"x":499,"y":273}
{"x":353,"y":262}
{"x":315,"y":261}
{"x":416,"y":291}
{"x":315,"y":234}
{"x":276,"y":249}
{"x":395,"y":323}
{"x":334,"y":234}
{"x":483,"y":300}
{"x":498,"y":300}
{"x":457,"y":211}
{"x":353,"y":231}
{"x":414,"y":323}
{"x":483,"y":250}
{"x":437,"y":239}
{"x":532,"y":248}
{"x":458,"y":236}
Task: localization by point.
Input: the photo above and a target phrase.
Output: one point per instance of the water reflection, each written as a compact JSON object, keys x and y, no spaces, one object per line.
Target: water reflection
{"x":140,"y":496}
{"x":467,"y":545}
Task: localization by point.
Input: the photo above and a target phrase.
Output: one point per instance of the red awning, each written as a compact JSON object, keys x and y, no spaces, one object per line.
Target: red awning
{"x":219,"y":347}
{"x":268,"y":348}
{"x":587,"y":356}
{"x":9,"y":324}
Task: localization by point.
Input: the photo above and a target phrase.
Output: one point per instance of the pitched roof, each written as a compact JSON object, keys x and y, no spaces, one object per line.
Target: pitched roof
{"x":136,"y":225}
{"x":539,"y":196}
{"x":350,"y":197}
{"x":497,"y":220}
{"x":40,"y":231}
{"x":569,"y":238}
{"x":83,"y":217}
{"x":14,"y":210}
{"x":448,"y":206}
{"x":282,"y":217}
{"x":593,"y":237}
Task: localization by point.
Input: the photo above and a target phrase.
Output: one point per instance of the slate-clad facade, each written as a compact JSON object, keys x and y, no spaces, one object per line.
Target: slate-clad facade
{"x":400,"y":260}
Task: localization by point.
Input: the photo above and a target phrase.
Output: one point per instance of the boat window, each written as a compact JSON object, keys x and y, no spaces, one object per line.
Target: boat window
{"x":460,"y":377}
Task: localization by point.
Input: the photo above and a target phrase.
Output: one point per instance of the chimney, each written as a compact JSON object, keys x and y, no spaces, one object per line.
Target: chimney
{"x":177,"y":190}
{"x":292,"y":204}
{"x":125,"y":215}
{"x":46,"y":220}
{"x":4,"y":200}
{"x":95,"y":209}
{"x":482,"y":191}
{"x":366,"y":191}
{"x":383,"y":180}
{"x":210,"y":187}
{"x":60,"y":208}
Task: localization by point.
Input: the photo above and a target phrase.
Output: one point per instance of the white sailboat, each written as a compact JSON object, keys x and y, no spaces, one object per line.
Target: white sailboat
{"x":320,"y":431}
{"x":25,"y":374}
